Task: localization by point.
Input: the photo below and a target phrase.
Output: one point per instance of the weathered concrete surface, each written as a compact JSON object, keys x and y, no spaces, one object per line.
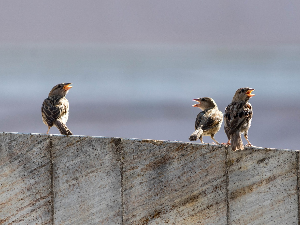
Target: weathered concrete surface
{"x":48,"y":179}
{"x":25,"y":180}
{"x":173,"y":183}
{"x":87,"y":180}
{"x":263,"y":186}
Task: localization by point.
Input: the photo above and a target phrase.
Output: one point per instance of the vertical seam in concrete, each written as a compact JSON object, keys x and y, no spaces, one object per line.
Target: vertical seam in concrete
{"x":122,"y":189}
{"x":227,"y":186}
{"x":50,"y":145}
{"x":119,"y":151}
{"x":298,"y":200}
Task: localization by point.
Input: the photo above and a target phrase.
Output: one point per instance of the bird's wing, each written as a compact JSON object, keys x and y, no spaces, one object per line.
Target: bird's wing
{"x":208,"y":120}
{"x":227,"y":119}
{"x":52,"y":110}
{"x":235,"y":116}
{"x":199,"y":120}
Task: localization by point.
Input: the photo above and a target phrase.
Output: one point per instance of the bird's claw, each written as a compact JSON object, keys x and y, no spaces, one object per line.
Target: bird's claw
{"x":226,"y":144}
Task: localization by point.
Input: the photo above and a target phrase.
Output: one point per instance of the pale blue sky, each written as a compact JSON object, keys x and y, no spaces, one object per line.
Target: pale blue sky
{"x":148,"y":21}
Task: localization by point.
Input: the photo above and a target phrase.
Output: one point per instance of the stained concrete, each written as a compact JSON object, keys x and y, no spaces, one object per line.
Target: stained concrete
{"x":87,"y":181}
{"x":25,"y":179}
{"x":173,"y":183}
{"x":55,"y":179}
{"x":263,"y":186}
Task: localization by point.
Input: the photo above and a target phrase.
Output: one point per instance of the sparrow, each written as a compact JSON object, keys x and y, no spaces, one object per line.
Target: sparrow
{"x":237,"y":118}
{"x":55,"y":108}
{"x":208,"y":121}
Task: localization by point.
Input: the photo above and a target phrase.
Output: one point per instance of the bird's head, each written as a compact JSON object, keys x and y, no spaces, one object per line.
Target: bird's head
{"x":243,"y":94}
{"x":60,"y":89}
{"x":205,"y":103}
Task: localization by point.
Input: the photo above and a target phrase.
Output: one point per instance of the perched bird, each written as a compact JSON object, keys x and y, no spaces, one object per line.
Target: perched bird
{"x":238,"y":116}
{"x":55,"y":108}
{"x":208,"y":121}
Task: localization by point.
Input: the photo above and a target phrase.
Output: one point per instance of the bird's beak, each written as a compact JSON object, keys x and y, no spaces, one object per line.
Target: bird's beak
{"x":67,"y":86}
{"x":196,"y":100}
{"x":248,"y":93}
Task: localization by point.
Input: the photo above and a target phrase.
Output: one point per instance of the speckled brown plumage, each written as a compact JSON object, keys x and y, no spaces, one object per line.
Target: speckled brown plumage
{"x":55,"y":108}
{"x":237,"y":118}
{"x":209,"y":121}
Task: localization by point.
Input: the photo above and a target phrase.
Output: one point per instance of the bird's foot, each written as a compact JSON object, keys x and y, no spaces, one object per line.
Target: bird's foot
{"x":228,"y":143}
{"x":248,"y":145}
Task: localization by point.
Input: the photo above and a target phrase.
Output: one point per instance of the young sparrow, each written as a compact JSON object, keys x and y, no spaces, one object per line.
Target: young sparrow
{"x":209,"y":121}
{"x":55,"y":108}
{"x":238,"y":116}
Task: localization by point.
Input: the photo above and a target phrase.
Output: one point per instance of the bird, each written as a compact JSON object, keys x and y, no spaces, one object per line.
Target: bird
{"x":208,"y":121}
{"x":55,"y":108}
{"x":237,"y":118}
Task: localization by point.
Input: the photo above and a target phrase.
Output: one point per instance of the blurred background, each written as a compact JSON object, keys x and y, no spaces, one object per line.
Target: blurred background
{"x":136,"y":65}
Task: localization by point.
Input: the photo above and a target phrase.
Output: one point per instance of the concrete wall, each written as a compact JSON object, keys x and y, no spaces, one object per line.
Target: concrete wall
{"x":95,"y":180}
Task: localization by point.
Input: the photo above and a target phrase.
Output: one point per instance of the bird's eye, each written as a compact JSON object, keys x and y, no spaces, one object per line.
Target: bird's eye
{"x":203,"y":99}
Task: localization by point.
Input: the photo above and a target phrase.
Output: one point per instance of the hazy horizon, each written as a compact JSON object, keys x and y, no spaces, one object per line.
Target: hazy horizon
{"x":147,"y":93}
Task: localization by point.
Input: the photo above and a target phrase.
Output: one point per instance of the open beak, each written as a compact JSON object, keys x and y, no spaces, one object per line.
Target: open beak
{"x":248,"y":93}
{"x":67,"y":86}
{"x":196,"y":100}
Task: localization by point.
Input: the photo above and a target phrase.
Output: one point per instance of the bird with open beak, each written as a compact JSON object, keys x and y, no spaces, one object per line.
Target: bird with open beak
{"x":55,"y":108}
{"x":238,"y":117}
{"x":208,"y":121}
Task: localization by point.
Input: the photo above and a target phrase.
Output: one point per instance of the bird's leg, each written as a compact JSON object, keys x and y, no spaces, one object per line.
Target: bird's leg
{"x":201,"y":139}
{"x":212,"y":137}
{"x":48,"y":130}
{"x":246,"y":137}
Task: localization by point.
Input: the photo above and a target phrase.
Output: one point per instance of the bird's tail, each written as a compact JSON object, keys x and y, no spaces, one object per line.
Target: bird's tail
{"x":63,"y":129}
{"x":196,"y":135}
{"x":236,"y":141}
